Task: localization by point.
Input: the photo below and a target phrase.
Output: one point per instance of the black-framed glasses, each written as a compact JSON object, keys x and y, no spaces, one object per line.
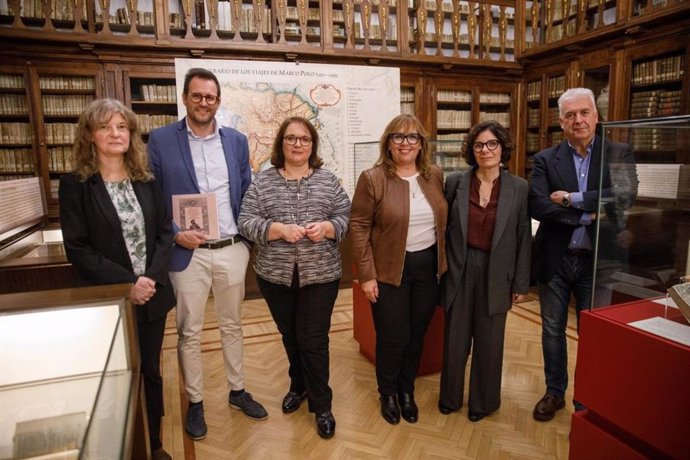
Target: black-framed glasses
{"x":291,"y":139}
{"x":491,"y":145}
{"x":399,"y":138}
{"x":210,"y":98}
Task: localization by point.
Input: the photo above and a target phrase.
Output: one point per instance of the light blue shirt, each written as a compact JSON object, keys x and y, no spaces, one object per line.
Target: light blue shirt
{"x":212,"y":176}
{"x":580,"y":237}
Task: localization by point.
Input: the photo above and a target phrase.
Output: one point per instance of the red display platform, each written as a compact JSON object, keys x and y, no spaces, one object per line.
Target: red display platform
{"x":365,"y":335}
{"x":634,"y":385}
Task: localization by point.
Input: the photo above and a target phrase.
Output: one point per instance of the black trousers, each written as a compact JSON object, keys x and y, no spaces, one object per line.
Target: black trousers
{"x":150,"y":343}
{"x":401,"y":317}
{"x":303,"y":316}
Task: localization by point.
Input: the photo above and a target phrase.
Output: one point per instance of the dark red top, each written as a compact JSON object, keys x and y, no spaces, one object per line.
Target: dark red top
{"x":481,"y":221}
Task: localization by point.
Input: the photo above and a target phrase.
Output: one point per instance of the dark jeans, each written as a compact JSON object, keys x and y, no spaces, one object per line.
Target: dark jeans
{"x":303,"y":317}
{"x":574,"y":275}
{"x":401,"y":316}
{"x":150,"y":343}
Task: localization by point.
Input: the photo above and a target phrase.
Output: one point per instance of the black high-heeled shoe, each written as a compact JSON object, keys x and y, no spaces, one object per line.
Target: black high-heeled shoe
{"x":389,"y":409}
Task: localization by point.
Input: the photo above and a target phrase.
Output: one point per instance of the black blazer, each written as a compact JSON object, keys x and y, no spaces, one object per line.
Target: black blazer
{"x":96,"y":247}
{"x":553,"y":170}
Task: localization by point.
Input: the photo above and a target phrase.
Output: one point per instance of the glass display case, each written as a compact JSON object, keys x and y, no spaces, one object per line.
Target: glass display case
{"x":447,"y":155}
{"x":643,"y":223}
{"x":70,"y":372}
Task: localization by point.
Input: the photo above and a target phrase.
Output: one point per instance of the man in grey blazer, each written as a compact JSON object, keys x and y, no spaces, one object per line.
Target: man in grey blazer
{"x":564,"y":199}
{"x":196,"y":155}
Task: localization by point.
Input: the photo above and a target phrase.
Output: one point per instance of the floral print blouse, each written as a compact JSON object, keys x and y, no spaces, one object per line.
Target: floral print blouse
{"x":132,"y":221}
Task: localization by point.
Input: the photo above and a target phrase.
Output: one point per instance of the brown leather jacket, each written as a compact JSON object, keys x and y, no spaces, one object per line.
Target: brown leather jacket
{"x":380,"y":218}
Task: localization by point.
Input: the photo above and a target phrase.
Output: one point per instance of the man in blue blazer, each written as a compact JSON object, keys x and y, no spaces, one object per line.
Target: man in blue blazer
{"x":197,"y":155}
{"x":564,"y":198}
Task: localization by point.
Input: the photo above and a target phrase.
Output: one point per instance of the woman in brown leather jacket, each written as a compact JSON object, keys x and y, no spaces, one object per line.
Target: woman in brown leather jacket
{"x":398,"y":225}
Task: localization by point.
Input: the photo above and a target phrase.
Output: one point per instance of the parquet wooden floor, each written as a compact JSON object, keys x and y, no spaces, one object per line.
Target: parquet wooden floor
{"x":510,"y":433}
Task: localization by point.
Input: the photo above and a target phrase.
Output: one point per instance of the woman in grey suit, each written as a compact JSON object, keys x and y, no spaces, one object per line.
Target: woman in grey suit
{"x":488,"y":249}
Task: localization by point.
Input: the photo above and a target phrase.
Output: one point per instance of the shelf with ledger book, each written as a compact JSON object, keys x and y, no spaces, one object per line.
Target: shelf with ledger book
{"x":153,"y":97}
{"x":80,"y":396}
{"x":656,"y":86}
{"x":447,"y":155}
{"x":458,"y":110}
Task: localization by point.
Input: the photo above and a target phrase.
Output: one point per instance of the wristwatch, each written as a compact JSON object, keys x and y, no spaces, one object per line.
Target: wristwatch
{"x":565,"y":201}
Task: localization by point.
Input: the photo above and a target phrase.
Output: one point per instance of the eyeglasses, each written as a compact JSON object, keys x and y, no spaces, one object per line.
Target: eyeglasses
{"x":491,"y":145}
{"x":210,"y":98}
{"x":399,"y":138}
{"x":292,"y":140}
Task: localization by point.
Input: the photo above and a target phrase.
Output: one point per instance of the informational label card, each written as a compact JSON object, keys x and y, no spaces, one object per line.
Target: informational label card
{"x":665,"y":328}
{"x":658,"y":180}
{"x":197,"y":212}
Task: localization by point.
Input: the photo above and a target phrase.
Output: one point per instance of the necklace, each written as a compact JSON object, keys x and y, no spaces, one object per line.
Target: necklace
{"x":295,"y":207}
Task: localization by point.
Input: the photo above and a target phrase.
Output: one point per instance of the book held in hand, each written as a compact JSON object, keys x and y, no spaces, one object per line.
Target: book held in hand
{"x":197,"y":212}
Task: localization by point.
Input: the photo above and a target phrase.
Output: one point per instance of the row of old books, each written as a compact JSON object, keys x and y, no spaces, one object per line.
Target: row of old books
{"x":556,"y":86}
{"x":665,"y":69}
{"x":13,"y":104}
{"x":655,"y":103}
{"x":453,"y":119}
{"x":67,"y":83}
{"x":121,"y":16}
{"x":60,"y":159}
{"x":534,"y":90}
{"x":176,"y":20}
{"x":375,"y":31}
{"x":554,"y":118}
{"x":15,"y":133}
{"x":224,"y":19}
{"x":653,"y":139}
{"x":11,"y":81}
{"x":147,"y":123}
{"x":532,"y":142}
{"x":407,"y":108}
{"x":494,"y":98}
{"x":16,"y":160}
{"x":60,"y":133}
{"x":444,"y":95}
{"x":453,"y":161}
{"x":158,"y":93}
{"x":71,"y":105}
{"x":533,"y":117}
{"x":450,"y":142}
{"x":406,"y":95}
{"x":502,"y":117}
{"x":61,"y":10}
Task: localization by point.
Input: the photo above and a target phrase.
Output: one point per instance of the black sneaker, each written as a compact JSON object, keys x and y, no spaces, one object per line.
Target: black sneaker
{"x":246,"y":404}
{"x":196,"y":425}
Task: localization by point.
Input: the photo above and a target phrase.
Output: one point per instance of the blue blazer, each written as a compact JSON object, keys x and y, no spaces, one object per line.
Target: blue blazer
{"x":171,"y":162}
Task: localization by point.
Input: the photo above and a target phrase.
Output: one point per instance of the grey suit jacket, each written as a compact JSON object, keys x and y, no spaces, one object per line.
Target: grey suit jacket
{"x":509,"y":260}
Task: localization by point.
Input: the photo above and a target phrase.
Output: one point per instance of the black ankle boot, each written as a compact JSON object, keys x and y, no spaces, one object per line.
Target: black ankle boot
{"x":408,"y":408}
{"x":389,"y":409}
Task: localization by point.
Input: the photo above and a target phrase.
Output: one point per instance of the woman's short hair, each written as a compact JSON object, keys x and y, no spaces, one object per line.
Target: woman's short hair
{"x":84,"y":156}
{"x":497,"y":130}
{"x":278,"y":155}
{"x":405,"y":123}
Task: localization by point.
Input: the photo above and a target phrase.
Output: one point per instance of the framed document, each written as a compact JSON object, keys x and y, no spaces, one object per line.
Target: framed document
{"x":197,"y":212}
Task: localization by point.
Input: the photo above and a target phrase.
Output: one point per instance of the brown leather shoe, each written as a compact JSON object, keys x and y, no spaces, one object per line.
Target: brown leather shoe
{"x":547,"y":406}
